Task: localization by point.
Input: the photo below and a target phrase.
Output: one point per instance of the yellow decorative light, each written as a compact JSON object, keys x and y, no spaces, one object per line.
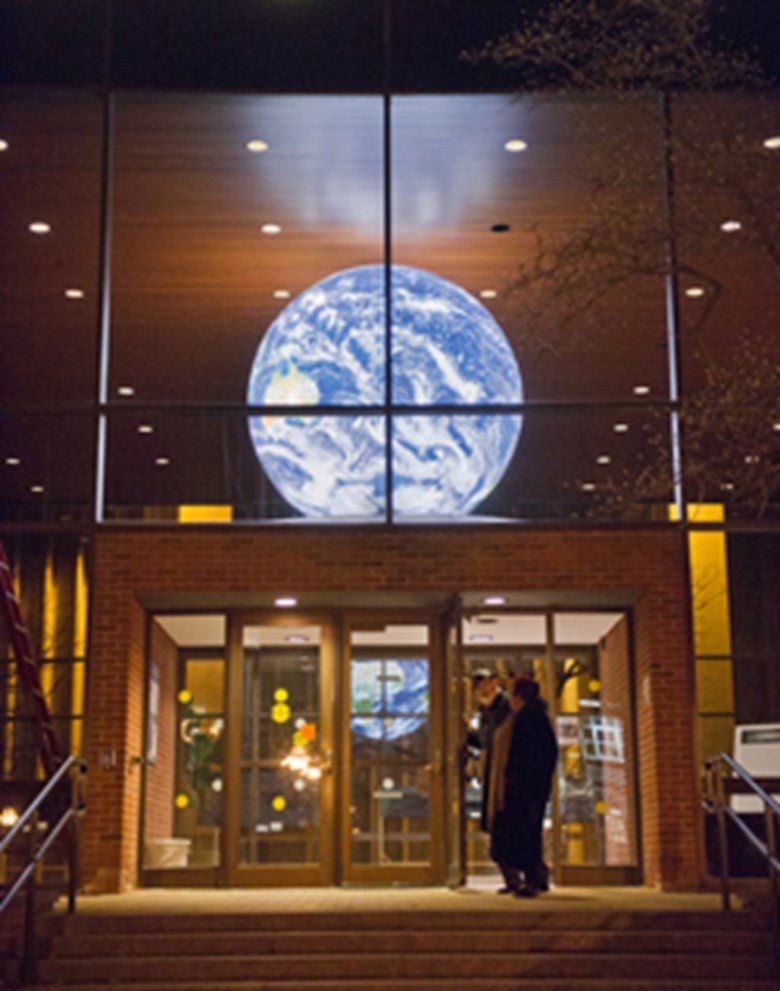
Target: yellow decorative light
{"x":601,"y":808}
{"x":278,"y":803}
{"x":181,"y":801}
{"x":184,"y":696}
{"x":280,"y":712}
{"x":281,"y":695}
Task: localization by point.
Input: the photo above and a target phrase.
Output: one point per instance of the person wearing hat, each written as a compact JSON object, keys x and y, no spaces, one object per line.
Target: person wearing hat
{"x":523,"y":756}
{"x":493,"y":709}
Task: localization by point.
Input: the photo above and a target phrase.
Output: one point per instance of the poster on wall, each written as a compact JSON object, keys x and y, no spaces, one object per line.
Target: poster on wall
{"x":153,"y":713}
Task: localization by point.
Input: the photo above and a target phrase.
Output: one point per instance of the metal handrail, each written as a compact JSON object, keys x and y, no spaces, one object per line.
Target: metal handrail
{"x":718,"y":788}
{"x":29,"y":822}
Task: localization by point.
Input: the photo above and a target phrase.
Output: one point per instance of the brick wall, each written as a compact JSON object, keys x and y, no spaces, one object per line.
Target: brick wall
{"x":648,"y":566}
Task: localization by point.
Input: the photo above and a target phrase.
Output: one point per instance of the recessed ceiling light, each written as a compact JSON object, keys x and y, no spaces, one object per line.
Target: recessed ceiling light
{"x":772,"y":143}
{"x":257,"y":145}
{"x":641,"y":390}
{"x":603,"y":459}
{"x":285,"y":602}
{"x":74,"y":294}
{"x":13,"y":462}
{"x":494,"y":600}
{"x":488,"y":293}
{"x":730,"y":226}
{"x":4,"y":145}
{"x":37,"y":489}
{"x":480,"y":638}
{"x":296,"y":638}
{"x":588,"y":486}
{"x":126,"y":390}
{"x":620,"y":428}
{"x":694,"y":292}
{"x":145,"y":428}
{"x":752,"y":459}
{"x":162,"y":461}
{"x":39,"y":227}
{"x":282,"y":294}
{"x":776,"y":426}
{"x":727,"y":486}
{"x":271,"y":229}
{"x":516,"y":144}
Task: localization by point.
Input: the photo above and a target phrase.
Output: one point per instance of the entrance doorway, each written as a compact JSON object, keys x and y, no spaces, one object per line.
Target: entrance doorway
{"x":287,"y":747}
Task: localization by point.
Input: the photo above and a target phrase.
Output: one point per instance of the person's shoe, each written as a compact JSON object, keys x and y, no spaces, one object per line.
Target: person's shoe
{"x":526,"y":892}
{"x":506,"y":890}
{"x":543,"y":886}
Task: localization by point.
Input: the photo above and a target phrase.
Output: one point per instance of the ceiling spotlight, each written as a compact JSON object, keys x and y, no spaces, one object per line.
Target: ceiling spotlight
{"x":145,"y":428}
{"x":752,"y":459}
{"x":776,"y":426}
{"x":641,"y":390}
{"x":694,"y":292}
{"x":37,"y":489}
{"x":494,"y":600}
{"x":271,"y":229}
{"x":285,"y":602}
{"x":730,"y":226}
{"x":727,"y":486}
{"x":515,"y":145}
{"x":480,"y":638}
{"x":603,"y":459}
{"x":74,"y":294}
{"x":14,"y":462}
{"x":296,"y":638}
{"x":620,"y":428}
{"x":488,"y":293}
{"x":773,"y":143}
{"x":126,"y":390}
{"x":282,"y":294}
{"x":39,"y":227}
{"x":162,"y":462}
{"x":588,"y":486}
{"x":3,"y":145}
{"x":257,"y":145}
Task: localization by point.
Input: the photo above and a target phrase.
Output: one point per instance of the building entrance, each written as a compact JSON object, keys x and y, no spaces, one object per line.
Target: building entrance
{"x":314,"y":748}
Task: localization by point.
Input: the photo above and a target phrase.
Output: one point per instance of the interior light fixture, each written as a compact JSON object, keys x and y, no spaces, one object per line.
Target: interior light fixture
{"x":74,"y":294}
{"x":282,"y":294}
{"x":257,"y":145}
{"x":694,"y":292}
{"x":727,"y":486}
{"x":515,"y":145}
{"x":285,"y":602}
{"x":620,"y":428}
{"x":39,"y":227}
{"x":641,"y":390}
{"x":14,"y":462}
{"x":37,"y":489}
{"x":296,"y":638}
{"x":3,"y":145}
{"x":773,"y":143}
{"x":603,"y":459}
{"x":731,"y":226}
{"x":126,"y":390}
{"x":776,"y":426}
{"x":162,"y":462}
{"x":588,"y":486}
{"x":271,"y":229}
{"x":488,"y":293}
{"x":752,"y":459}
{"x":494,"y":600}
{"x":480,"y":638}
{"x":145,"y":428}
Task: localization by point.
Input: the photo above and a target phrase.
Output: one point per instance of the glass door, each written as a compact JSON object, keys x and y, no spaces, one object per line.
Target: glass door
{"x":392,"y":755}
{"x":280,"y":752}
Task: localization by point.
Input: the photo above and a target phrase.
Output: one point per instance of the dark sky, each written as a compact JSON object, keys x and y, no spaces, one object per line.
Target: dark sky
{"x":326,"y":45}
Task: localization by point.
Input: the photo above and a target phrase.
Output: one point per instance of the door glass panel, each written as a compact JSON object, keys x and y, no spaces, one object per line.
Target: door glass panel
{"x":281,"y":761}
{"x":596,"y":784}
{"x":390,"y":775}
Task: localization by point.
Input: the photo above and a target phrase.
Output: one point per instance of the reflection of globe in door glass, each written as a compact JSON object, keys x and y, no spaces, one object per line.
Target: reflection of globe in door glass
{"x":327,"y":347}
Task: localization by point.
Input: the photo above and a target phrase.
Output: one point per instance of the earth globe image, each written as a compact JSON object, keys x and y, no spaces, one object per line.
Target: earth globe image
{"x":327,"y":347}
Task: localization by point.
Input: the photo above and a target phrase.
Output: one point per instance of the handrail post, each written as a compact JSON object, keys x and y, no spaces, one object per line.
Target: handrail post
{"x":28,"y":967}
{"x":73,"y":840}
{"x":723,"y":843}
{"x":771,"y":846}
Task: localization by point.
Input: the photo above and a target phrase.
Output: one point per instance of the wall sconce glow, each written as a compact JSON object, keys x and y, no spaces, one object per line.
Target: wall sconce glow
{"x":516,"y":145}
{"x":327,"y":347}
{"x":257,"y":146}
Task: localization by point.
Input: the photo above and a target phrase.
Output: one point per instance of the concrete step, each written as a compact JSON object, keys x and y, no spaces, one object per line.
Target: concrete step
{"x":262,"y":943}
{"x":403,"y":966}
{"x":518,"y":916}
{"x":646,"y":983}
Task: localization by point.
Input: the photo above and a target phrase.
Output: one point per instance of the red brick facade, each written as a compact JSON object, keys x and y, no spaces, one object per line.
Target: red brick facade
{"x":648,"y":567}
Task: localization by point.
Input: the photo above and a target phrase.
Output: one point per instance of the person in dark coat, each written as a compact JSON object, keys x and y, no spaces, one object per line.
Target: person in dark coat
{"x":524,"y":753}
{"x":493,"y":709}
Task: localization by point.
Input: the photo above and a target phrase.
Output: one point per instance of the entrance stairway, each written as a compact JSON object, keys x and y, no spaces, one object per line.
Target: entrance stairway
{"x":520,"y":949}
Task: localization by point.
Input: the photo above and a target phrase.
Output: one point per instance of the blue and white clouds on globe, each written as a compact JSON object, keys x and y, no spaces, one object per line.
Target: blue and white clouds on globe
{"x":328,"y":347}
